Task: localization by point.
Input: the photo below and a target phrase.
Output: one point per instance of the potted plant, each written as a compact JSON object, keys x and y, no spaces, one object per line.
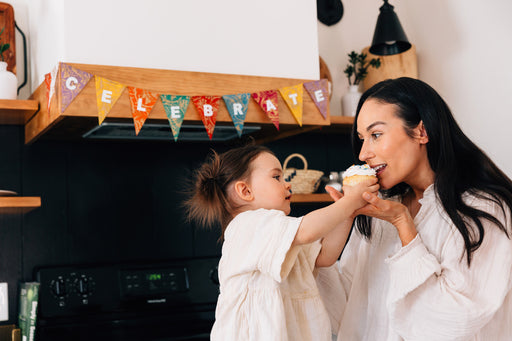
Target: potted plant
{"x":356,"y":71}
{"x":8,"y":80}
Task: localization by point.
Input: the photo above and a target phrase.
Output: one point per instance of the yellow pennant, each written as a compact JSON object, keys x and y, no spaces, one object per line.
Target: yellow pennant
{"x":292,"y":95}
{"x":107,"y":93}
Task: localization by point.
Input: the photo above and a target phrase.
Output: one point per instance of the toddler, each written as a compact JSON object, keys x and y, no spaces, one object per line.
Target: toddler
{"x":266,"y":271}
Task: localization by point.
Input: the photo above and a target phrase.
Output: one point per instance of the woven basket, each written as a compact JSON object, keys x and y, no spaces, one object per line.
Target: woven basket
{"x":303,"y":181}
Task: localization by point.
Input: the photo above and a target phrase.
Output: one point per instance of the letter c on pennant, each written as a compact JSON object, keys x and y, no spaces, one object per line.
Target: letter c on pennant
{"x":71,"y":83}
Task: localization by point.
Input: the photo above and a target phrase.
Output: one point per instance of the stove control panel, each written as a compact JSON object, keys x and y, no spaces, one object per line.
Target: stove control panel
{"x":82,"y":289}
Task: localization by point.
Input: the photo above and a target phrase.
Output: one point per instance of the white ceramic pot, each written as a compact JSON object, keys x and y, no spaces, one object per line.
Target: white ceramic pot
{"x":8,"y":83}
{"x":350,"y":100}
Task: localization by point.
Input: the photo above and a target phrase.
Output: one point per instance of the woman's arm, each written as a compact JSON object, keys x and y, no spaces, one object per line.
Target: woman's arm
{"x":435,"y":295}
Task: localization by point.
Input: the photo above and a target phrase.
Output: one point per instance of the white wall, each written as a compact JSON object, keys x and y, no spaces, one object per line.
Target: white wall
{"x":463,"y":47}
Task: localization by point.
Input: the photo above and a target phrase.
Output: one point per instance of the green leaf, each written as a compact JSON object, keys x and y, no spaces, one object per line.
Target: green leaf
{"x":4,"y":47}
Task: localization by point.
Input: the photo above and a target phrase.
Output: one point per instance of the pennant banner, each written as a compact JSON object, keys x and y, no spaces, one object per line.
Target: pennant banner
{"x":237,"y":107}
{"x":292,"y":95}
{"x":268,"y":102}
{"x":72,"y":81}
{"x":319,"y":92}
{"x":107,"y":93}
{"x":175,"y":108}
{"x":208,"y":107}
{"x":141,"y":101}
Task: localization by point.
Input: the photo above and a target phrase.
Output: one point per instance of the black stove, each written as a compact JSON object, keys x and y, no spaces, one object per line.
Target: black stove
{"x":158,"y":301}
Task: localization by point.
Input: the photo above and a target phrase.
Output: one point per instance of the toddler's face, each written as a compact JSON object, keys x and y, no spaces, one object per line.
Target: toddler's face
{"x":267,"y":183}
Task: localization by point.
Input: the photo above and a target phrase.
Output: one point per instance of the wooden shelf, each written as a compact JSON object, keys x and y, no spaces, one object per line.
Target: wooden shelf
{"x":17,"y":112}
{"x":311,"y":198}
{"x":19,"y":204}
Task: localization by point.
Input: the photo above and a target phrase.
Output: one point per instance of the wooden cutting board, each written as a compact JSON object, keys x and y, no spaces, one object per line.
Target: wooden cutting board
{"x":8,"y":36}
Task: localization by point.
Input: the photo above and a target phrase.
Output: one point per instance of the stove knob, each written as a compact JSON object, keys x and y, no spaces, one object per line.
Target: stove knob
{"x":59,"y":288}
{"x":83,"y":286}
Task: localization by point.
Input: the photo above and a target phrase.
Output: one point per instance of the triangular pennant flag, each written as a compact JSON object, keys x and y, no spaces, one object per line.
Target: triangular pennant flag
{"x":72,"y":81}
{"x":292,"y":95}
{"x":208,"y":107}
{"x":237,"y":106}
{"x":48,"y":84}
{"x":142,"y":101}
{"x":175,"y":107}
{"x":107,"y":93}
{"x":268,"y":102}
{"x":319,"y":92}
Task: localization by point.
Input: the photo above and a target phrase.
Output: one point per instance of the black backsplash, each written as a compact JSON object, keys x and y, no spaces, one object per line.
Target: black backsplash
{"x":105,"y":202}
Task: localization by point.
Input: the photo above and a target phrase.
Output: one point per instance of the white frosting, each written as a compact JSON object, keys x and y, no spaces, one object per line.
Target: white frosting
{"x":358,"y":170}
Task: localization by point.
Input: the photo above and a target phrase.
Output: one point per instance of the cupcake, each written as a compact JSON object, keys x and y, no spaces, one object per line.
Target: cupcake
{"x":357,"y":173}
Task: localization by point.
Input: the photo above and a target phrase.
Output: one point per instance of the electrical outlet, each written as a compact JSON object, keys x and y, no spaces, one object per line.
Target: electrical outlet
{"x":4,"y":302}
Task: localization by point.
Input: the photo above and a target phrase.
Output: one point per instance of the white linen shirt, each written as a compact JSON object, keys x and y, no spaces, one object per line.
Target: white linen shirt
{"x":380,"y":290}
{"x":267,"y":288}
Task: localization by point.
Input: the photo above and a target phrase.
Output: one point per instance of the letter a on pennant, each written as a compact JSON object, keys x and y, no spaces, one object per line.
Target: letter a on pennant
{"x":72,"y":81}
{"x":237,"y":107}
{"x":268,"y":102}
{"x":175,"y":108}
{"x":107,"y":93}
{"x":141,"y":101}
{"x":292,"y":95}
{"x":319,"y":92}
{"x":208,"y":107}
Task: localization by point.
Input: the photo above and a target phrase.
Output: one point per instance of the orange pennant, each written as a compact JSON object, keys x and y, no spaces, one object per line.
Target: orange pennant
{"x":142,"y":101}
{"x":107,"y":93}
{"x":208,"y":107}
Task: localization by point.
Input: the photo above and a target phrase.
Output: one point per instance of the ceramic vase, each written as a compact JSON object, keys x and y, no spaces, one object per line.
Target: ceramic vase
{"x":350,"y":100}
{"x":8,"y":83}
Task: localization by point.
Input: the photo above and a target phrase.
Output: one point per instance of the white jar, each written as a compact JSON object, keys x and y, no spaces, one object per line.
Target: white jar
{"x":8,"y":83}
{"x":350,"y":100}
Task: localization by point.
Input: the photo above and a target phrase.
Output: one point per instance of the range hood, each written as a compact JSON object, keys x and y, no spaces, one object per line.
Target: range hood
{"x":80,"y":119}
{"x":162,"y":132}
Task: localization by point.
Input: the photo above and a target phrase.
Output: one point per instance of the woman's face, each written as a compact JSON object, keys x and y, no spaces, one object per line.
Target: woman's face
{"x":387,"y":148}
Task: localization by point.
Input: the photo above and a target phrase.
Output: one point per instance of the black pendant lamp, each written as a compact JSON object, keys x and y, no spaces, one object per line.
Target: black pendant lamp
{"x":389,"y":36}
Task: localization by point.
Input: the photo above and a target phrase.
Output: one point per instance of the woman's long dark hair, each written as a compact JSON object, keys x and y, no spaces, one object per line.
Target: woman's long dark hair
{"x":459,"y":165}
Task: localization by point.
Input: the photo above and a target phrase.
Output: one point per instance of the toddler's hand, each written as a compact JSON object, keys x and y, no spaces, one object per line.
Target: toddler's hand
{"x":355,"y":192}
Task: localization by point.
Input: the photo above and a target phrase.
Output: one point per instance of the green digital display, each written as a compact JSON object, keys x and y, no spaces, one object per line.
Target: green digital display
{"x":154,"y":277}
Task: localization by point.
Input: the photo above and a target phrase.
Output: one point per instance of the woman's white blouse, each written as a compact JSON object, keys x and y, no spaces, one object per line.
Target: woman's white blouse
{"x":267,"y":287}
{"x":380,"y":290}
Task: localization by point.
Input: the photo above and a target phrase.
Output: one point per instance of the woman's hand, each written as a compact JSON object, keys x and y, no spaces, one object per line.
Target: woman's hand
{"x":392,"y":212}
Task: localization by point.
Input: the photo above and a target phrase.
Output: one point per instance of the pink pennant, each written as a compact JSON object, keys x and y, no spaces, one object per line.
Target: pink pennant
{"x":268,"y":102}
{"x":72,"y":81}
{"x":319,"y":92}
{"x":208,"y":107}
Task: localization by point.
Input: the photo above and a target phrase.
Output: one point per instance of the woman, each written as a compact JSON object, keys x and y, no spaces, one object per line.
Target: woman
{"x":432,"y":257}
